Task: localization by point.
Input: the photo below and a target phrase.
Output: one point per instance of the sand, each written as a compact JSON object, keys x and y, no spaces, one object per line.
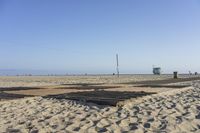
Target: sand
{"x":33,"y":81}
{"x":172,"y":111}
{"x":12,"y":87}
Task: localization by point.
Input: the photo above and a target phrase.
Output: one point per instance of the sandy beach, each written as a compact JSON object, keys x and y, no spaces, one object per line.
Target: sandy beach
{"x":106,"y":66}
{"x":175,"y":110}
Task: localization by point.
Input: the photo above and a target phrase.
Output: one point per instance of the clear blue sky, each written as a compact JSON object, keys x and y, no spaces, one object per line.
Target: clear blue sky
{"x":83,"y":36}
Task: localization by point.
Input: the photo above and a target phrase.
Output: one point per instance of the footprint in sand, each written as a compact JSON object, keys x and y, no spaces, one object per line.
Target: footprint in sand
{"x":163,"y":125}
{"x":133,"y":126}
{"x":76,"y":129}
{"x":100,"y":129}
{"x":179,"y":120}
{"x":151,"y":119}
{"x":198,"y":108}
{"x":34,"y":131}
{"x":12,"y":130}
{"x":197,"y":116}
{"x":147,"y":125}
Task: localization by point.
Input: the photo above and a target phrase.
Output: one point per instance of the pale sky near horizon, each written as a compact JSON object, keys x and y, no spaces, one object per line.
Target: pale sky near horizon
{"x":83,"y":36}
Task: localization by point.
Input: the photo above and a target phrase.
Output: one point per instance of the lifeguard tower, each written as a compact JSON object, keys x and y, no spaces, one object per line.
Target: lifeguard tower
{"x":156,"y":70}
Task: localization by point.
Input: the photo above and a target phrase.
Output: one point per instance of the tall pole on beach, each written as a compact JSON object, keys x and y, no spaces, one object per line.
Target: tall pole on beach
{"x":117,"y":65}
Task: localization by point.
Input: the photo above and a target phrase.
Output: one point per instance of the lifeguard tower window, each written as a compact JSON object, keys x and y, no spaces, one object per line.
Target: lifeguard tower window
{"x":157,"y":71}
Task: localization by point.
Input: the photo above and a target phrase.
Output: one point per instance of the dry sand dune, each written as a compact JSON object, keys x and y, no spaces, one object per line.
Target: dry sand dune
{"x":175,"y":111}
